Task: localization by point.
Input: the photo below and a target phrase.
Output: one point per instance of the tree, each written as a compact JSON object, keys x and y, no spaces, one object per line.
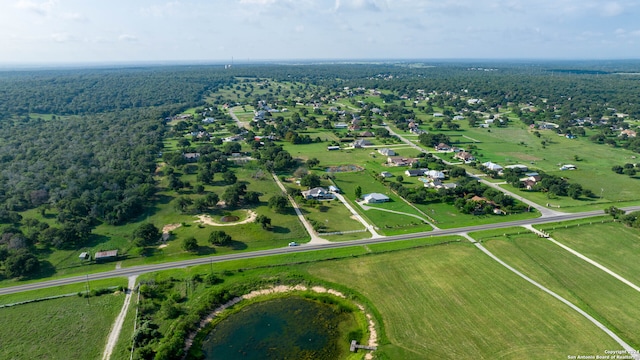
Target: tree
{"x":313,"y":162}
{"x":399,"y":178}
{"x":278,"y":203}
{"x":20,"y":263}
{"x":358,"y":192}
{"x":146,"y":234}
{"x":264,"y":221}
{"x":190,"y":244}
{"x":310,"y":180}
{"x":219,"y":238}
{"x":614,"y":212}
{"x":229,"y":178}
{"x":252,"y":197}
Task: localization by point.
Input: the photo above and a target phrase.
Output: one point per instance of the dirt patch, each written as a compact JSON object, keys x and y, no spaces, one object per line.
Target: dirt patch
{"x":166,"y":229}
{"x":344,"y":168}
{"x":208,"y":220}
{"x":228,"y":219}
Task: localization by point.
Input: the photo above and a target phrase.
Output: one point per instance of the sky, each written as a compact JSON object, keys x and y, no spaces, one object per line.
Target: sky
{"x":106,"y":31}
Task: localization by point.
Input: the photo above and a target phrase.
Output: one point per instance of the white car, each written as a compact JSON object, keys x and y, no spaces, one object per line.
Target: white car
{"x":293,"y":243}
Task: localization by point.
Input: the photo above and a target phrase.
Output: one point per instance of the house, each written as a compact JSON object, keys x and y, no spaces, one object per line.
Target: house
{"x":443,"y":147}
{"x":334,"y":189}
{"x":375,"y":198}
{"x":84,"y":256}
{"x":232,"y":138}
{"x":317,"y":193}
{"x":386,"y":174}
{"x":208,"y":120}
{"x":397,"y":161}
{"x":414,"y":172}
{"x":387,"y":152}
{"x":340,"y":125}
{"x":517,"y":167}
{"x":367,"y":134}
{"x":434,"y":174}
{"x":438,"y":115}
{"x":106,"y":255}
{"x":628,"y":132}
{"x":334,"y":147}
{"x":191,"y":157}
{"x":568,"y":167}
{"x":464,"y":156}
{"x":458,"y":117}
{"x":492,"y":166}
{"x":361,"y":143}
{"x":570,"y":136}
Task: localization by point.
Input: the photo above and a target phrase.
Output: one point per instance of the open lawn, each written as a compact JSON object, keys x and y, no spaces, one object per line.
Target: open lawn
{"x":331,"y":216}
{"x":452,"y":301}
{"x":610,"y":244}
{"x":65,"y":328}
{"x":594,"y":291}
{"x":387,"y":222}
{"x":516,"y":144}
{"x":447,"y":216}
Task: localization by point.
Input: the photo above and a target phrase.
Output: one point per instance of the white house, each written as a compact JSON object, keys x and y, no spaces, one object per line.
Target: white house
{"x":387,"y":152}
{"x":317,"y":193}
{"x":492,"y":166}
{"x":434,"y":174}
{"x":375,"y":198}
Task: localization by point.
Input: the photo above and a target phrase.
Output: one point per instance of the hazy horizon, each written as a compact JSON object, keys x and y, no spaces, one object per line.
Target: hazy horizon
{"x":62,"y":32}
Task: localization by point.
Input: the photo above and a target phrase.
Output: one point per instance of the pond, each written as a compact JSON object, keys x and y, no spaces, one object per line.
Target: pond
{"x":285,"y":328}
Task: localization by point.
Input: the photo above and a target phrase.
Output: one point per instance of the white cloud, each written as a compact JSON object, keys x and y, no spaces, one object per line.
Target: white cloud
{"x":40,"y":8}
{"x":300,"y":28}
{"x":128,"y":38}
{"x":73,"y":16}
{"x":257,"y":2}
{"x":371,"y":5}
{"x":166,"y":9}
{"x":612,"y":9}
{"x":62,"y":37}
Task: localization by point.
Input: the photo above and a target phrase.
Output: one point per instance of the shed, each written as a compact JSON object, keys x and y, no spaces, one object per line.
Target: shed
{"x":84,"y":256}
{"x":106,"y":255}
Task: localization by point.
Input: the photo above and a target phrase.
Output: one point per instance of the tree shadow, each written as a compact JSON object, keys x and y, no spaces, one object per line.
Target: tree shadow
{"x":280,"y":230}
{"x":46,"y":270}
{"x":206,"y":250}
{"x":237,"y":245}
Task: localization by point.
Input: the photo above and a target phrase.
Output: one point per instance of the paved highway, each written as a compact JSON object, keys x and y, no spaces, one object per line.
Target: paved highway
{"x":137,"y":270}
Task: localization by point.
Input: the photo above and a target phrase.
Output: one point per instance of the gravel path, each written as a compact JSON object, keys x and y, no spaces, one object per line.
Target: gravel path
{"x":117,"y":325}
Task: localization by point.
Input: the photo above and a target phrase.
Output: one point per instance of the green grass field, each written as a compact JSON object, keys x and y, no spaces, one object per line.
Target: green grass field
{"x":516,"y":144}
{"x":596,"y":292}
{"x":388,"y":223}
{"x":452,"y":301}
{"x":65,"y":328}
{"x":611,"y":244}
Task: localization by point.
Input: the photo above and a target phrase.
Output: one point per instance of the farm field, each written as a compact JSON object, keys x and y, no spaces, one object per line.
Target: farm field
{"x":610,"y":244}
{"x":33,"y":331}
{"x":452,"y":301}
{"x":596,"y":292}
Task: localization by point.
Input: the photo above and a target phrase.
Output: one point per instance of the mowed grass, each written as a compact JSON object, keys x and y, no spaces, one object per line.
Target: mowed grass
{"x":447,"y":216}
{"x":388,"y":223}
{"x":611,"y":244}
{"x":332,"y":215}
{"x":516,"y":144}
{"x":593,"y":290}
{"x":453,"y":302}
{"x":34,"y":331}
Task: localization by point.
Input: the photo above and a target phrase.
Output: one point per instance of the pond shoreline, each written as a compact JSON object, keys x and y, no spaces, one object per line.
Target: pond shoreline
{"x":373,"y":337}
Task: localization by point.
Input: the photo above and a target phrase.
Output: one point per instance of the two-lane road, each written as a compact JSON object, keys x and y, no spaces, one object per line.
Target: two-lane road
{"x":137,"y":270}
